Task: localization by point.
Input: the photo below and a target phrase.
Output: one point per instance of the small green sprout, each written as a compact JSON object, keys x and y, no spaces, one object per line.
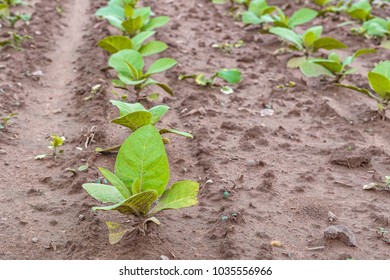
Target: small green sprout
{"x":55,"y":143}
{"x":5,"y":121}
{"x":231,"y":76}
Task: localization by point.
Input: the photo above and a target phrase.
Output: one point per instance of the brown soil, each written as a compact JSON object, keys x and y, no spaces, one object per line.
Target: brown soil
{"x":285,"y":172}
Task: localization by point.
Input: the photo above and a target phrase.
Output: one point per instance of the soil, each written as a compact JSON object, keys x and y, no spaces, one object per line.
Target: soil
{"x":290,"y":175}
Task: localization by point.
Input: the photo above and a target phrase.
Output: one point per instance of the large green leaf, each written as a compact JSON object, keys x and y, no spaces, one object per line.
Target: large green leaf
{"x":104,"y":193}
{"x":153,"y":47}
{"x":302,"y":16}
{"x":140,"y":38}
{"x":127,"y":63}
{"x":380,"y":84}
{"x":295,"y":62}
{"x":116,"y":182}
{"x":310,"y":69}
{"x":127,"y":108}
{"x":327,"y":43}
{"x":138,"y":204}
{"x":114,"y":44}
{"x":180,"y":195}
{"x":332,"y":66}
{"x":383,"y":68}
{"x":134,"y":120}
{"x":232,"y":76}
{"x":288,"y":35}
{"x":143,"y":156}
{"x":132,"y":25}
{"x":316,"y":30}
{"x":161,"y":65}
{"x":155,"y":23}
{"x":250,"y":18}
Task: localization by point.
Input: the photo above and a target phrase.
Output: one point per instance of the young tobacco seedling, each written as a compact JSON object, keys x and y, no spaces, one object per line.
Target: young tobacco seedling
{"x":129,"y":65}
{"x":55,"y":143}
{"x":5,"y":121}
{"x":375,"y":27}
{"x":299,"y":17}
{"x":333,"y":66}
{"x":15,"y":41}
{"x":360,"y":10}
{"x":309,"y":42}
{"x":17,"y":17}
{"x":116,"y":43}
{"x":231,"y":76}
{"x":327,"y":6}
{"x":131,"y":20}
{"x":379,"y":80}
{"x":139,"y":183}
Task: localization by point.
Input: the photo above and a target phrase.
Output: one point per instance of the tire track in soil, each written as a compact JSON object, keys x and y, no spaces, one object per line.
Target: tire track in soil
{"x":27,"y":223}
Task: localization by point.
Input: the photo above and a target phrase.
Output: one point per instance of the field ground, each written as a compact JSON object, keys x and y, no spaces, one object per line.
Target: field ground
{"x":285,"y":172}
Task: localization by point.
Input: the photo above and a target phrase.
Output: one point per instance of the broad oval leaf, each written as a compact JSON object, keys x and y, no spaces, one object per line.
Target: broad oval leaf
{"x":310,"y":69}
{"x":302,"y":16}
{"x":153,"y":47}
{"x":155,"y":23}
{"x":180,"y":195}
{"x":115,"y":232}
{"x":115,"y":181}
{"x":328,"y":43}
{"x":161,"y":65}
{"x":114,"y":44}
{"x":103,"y":193}
{"x":332,"y":66}
{"x":383,"y":68}
{"x":250,"y":18}
{"x":127,"y":62}
{"x":138,"y":204}
{"x":157,"y":113}
{"x":380,"y":84}
{"x":134,"y":120}
{"x":232,"y":76}
{"x":295,"y":62}
{"x":140,"y":38}
{"x":143,"y":156}
{"x":127,"y":108}
{"x":288,"y":35}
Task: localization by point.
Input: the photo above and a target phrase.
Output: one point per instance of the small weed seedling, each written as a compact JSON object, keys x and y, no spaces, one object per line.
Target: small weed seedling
{"x":15,"y":41}
{"x":55,"y":143}
{"x":379,"y":80}
{"x":116,"y":43}
{"x":139,"y":182}
{"x":231,"y":76}
{"x":131,"y":20}
{"x":129,"y":65}
{"x":308,"y":43}
{"x":333,"y":66}
{"x":5,"y":121}
{"x":227,"y":47}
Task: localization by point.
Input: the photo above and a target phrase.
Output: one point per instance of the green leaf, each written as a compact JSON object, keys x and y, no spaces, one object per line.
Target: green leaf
{"x":136,"y":186}
{"x":383,"y":68}
{"x":302,"y":16}
{"x":138,"y":204}
{"x":310,"y":69}
{"x":115,"y":232}
{"x":153,"y":47}
{"x":332,"y":66}
{"x":165,"y":87}
{"x":127,"y":63}
{"x":308,"y":39}
{"x":232,"y":76}
{"x":140,"y":38}
{"x":157,"y":113}
{"x":127,"y":108}
{"x":288,"y":35}
{"x":156,"y":22}
{"x":316,"y":30}
{"x":113,"y":44}
{"x":103,"y":193}
{"x":251,"y":18}
{"x":328,"y":43}
{"x":134,"y":120}
{"x":386,"y":44}
{"x":175,"y":131}
{"x":295,"y":62}
{"x":180,"y":195}
{"x":380,"y":84}
{"x":132,"y":25}
{"x":143,"y":156}
{"x":161,"y":65}
{"x":116,"y":182}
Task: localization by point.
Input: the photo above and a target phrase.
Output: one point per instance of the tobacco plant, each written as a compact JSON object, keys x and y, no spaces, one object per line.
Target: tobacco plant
{"x":258,"y":12}
{"x":309,"y":42}
{"x":231,"y":76}
{"x":375,"y":27}
{"x":129,"y":64}
{"x":332,"y":66}
{"x":139,"y":184}
{"x":379,"y":80}
{"x":131,"y":20}
{"x":360,"y":10}
{"x":116,"y":43}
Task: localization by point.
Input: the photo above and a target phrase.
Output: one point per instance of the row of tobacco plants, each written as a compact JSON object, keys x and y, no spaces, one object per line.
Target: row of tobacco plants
{"x":141,"y":173}
{"x":306,"y":45}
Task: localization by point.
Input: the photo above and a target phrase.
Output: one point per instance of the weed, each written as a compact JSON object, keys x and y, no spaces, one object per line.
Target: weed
{"x":55,"y":143}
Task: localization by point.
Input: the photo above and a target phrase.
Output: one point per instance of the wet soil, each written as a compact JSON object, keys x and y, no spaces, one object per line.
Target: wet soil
{"x":290,"y":175}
